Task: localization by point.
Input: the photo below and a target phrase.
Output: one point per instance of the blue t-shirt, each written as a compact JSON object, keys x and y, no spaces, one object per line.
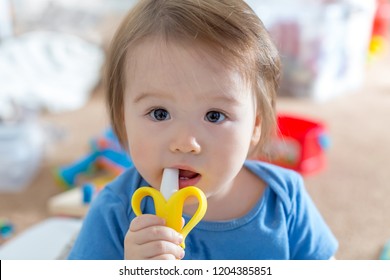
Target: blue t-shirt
{"x":284,"y":223}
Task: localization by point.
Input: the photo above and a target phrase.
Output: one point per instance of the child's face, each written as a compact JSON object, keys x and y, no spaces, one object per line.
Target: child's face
{"x":184,"y":109}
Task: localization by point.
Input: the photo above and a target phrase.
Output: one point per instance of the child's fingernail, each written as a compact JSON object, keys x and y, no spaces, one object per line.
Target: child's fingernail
{"x":182,"y":254}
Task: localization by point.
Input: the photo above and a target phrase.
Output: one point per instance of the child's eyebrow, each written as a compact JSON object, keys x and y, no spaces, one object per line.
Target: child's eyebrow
{"x":145,"y":95}
{"x":223,"y":98}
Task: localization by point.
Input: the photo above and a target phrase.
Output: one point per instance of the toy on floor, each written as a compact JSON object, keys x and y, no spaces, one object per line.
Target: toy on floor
{"x":106,"y":154}
{"x":300,"y":144}
{"x":380,"y":29}
{"x":106,"y":161}
{"x":75,"y":202}
{"x":6,"y":229}
{"x":385,"y":255}
{"x":91,"y":189}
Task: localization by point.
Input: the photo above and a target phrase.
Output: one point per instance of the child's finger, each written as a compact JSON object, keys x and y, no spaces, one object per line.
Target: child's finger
{"x":145,"y":221}
{"x":151,"y":228}
{"x":162,"y":250}
{"x":155,"y":233}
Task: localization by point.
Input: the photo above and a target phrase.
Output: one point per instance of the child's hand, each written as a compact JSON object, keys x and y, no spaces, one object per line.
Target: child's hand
{"x":149,"y":238}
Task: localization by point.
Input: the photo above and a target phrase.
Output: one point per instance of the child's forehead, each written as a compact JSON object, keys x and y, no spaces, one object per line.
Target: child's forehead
{"x":158,"y":64}
{"x":154,"y":50}
{"x":152,"y":55}
{"x":154,"y":46}
{"x":172,"y":48}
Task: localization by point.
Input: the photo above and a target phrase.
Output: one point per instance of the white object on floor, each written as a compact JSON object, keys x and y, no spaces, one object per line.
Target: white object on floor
{"x":69,"y":203}
{"x":48,"y":240}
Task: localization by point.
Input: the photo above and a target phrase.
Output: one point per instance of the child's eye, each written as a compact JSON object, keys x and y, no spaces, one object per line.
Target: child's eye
{"x":215,"y":117}
{"x":159,"y":114}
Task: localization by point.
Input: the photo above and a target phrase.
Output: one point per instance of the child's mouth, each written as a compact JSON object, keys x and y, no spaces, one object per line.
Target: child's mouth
{"x":188,"y":178}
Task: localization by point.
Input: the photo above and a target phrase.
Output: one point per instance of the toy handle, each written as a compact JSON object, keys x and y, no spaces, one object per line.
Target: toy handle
{"x":139,"y":195}
{"x":182,"y":196}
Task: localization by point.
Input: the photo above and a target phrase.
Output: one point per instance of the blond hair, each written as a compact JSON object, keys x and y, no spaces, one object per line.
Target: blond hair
{"x":229,"y":28}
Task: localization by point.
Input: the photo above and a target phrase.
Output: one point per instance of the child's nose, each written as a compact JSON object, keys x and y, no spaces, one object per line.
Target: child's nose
{"x":185,"y":142}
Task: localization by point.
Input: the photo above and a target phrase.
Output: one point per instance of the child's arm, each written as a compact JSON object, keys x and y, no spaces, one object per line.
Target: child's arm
{"x":149,"y":238}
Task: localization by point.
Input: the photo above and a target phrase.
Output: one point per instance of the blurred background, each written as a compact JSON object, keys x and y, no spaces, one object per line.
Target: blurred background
{"x":57,"y":151}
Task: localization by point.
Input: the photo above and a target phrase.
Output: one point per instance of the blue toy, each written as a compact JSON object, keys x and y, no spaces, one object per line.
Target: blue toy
{"x":385,"y":255}
{"x":106,"y":154}
{"x":88,"y":192}
{"x":6,"y":229}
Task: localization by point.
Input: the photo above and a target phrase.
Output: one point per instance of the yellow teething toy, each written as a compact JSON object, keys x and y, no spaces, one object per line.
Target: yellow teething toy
{"x":169,"y":202}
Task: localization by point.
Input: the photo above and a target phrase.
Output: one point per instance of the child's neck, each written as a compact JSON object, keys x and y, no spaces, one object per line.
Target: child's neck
{"x":246,"y":191}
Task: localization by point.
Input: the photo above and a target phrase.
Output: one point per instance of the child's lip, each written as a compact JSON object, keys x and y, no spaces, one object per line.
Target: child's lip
{"x":185,"y":182}
{"x":190,"y":181}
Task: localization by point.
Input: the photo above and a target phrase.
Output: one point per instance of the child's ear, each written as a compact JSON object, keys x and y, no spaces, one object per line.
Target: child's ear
{"x":256,"y":131}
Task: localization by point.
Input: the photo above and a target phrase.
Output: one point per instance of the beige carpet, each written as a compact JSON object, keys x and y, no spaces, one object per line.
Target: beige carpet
{"x":353,"y":192}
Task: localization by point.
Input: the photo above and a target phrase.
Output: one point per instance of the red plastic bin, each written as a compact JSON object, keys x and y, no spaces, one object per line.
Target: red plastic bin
{"x":300,"y":144}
